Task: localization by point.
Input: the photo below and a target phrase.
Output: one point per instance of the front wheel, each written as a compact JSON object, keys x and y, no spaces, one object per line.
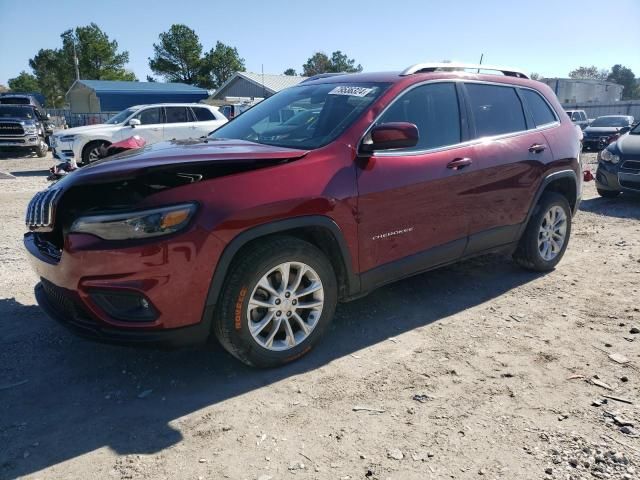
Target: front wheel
{"x":42,"y":149}
{"x":547,"y":234}
{"x":278,"y":300}
{"x":92,"y":152}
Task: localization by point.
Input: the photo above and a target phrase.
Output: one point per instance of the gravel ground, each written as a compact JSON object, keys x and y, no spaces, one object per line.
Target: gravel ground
{"x":478,"y":370}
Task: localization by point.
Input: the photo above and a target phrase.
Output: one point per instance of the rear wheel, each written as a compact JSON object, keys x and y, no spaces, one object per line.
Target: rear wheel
{"x":278,"y":300}
{"x":547,"y":234}
{"x":608,"y":193}
{"x":91,"y":152}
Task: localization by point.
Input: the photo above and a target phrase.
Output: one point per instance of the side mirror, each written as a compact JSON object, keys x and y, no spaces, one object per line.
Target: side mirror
{"x":388,"y":136}
{"x":624,"y":130}
{"x":134,"y":122}
{"x":48,"y":116}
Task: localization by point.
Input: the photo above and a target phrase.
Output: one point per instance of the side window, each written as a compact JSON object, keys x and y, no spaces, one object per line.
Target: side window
{"x":203,"y":114}
{"x":149,"y":116}
{"x":433,"y":108}
{"x":539,"y":109}
{"x":176,"y":114}
{"x":496,"y":110}
{"x":583,"y":116}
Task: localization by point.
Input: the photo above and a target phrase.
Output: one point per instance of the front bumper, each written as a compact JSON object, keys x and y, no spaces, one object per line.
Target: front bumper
{"x":594,"y":143}
{"x":171,"y":275}
{"x":27,"y":141}
{"x":613,"y":177}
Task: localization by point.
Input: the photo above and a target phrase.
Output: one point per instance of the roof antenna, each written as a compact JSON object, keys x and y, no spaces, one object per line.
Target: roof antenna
{"x":480,"y":63}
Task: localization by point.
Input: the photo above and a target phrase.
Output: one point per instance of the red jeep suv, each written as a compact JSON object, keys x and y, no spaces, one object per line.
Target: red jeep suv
{"x":319,"y":194}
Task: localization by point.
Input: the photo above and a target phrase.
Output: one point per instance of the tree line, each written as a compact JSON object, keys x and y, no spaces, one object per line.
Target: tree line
{"x":178,"y":56}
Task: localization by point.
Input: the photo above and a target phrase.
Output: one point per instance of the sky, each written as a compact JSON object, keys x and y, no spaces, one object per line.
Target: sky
{"x":550,"y":37}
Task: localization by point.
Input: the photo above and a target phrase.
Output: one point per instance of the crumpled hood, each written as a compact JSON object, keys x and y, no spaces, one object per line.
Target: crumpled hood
{"x":629,"y":144}
{"x":601,"y":130}
{"x":178,"y":152}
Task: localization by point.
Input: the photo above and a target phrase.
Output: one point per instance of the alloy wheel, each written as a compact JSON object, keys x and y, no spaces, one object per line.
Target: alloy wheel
{"x":285,"y":306}
{"x":552,"y":233}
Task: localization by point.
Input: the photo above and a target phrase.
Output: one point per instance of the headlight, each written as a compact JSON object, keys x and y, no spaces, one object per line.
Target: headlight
{"x":607,"y":156}
{"x":30,"y":129}
{"x":141,"y":224}
{"x":67,"y":138}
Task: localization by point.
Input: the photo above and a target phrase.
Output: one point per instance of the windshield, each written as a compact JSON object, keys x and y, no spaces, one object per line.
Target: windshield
{"x":15,"y":101}
{"x":611,"y":122}
{"x":7,"y":111}
{"x":121,"y":117}
{"x":306,"y":116}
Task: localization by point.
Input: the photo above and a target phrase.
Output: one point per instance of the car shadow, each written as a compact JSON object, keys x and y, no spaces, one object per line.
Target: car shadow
{"x":70,"y":396}
{"x":627,"y":205}
{"x":31,"y":173}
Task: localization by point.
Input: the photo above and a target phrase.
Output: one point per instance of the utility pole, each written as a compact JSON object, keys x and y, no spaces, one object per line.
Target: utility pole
{"x":264,"y":89}
{"x":481,"y":57}
{"x":75,"y":59}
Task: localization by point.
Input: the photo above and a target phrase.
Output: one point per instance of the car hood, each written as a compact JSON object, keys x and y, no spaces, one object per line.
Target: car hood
{"x":629,"y":144}
{"x":25,"y":121}
{"x":88,"y":129}
{"x":167,"y":155}
{"x":601,"y":130}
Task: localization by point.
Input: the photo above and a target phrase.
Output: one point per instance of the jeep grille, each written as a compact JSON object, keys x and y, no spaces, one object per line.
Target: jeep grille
{"x":40,"y":212}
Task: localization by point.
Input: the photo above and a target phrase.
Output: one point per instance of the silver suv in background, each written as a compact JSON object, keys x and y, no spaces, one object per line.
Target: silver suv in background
{"x":579,"y":117}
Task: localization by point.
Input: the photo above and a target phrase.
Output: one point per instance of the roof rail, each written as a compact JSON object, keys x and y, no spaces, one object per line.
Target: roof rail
{"x":433,"y":67}
{"x":322,"y":75}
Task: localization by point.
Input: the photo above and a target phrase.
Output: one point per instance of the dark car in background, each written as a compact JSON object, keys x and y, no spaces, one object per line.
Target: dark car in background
{"x":22,"y":127}
{"x":36,"y":101}
{"x":603,"y":130}
{"x":619,"y":166}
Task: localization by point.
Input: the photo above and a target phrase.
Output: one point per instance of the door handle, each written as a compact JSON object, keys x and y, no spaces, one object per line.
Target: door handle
{"x":537,"y":148}
{"x":459,"y":163}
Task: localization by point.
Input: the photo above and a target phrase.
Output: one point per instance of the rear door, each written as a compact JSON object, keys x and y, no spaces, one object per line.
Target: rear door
{"x":411,"y":207}
{"x":178,"y":123}
{"x":151,"y":126}
{"x":509,"y":154}
{"x":205,"y":121}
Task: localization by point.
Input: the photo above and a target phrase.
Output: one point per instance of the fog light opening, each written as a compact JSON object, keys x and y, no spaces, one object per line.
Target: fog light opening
{"x":125,"y":306}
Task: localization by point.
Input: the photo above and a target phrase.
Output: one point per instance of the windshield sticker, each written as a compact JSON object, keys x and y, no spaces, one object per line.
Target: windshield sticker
{"x":351,"y":91}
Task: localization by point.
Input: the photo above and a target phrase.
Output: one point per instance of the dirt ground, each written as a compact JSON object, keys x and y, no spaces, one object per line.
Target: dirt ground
{"x":478,"y":370}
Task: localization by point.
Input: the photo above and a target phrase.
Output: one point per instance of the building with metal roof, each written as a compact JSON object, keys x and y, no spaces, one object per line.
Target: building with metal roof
{"x":94,"y":96}
{"x":255,"y":85}
{"x":580,"y":91}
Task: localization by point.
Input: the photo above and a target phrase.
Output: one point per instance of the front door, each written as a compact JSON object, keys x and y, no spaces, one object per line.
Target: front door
{"x":412,"y":207}
{"x":151,"y":125}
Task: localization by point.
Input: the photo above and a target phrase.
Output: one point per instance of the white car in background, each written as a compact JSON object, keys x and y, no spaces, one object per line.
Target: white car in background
{"x":155,"y":123}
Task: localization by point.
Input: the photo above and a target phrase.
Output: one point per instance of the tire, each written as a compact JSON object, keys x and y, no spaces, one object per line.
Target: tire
{"x":90,"y":150}
{"x":531,"y":253}
{"x":608,"y":193}
{"x":234,"y":317}
{"x":42,"y":150}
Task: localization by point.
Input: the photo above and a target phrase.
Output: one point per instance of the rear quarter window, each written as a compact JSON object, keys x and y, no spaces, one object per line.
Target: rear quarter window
{"x":497,"y":110}
{"x":539,"y":108}
{"x":203,"y":114}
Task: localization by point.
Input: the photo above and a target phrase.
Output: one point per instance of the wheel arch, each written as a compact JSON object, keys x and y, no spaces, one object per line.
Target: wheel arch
{"x":564,"y":182}
{"x":320,"y":231}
